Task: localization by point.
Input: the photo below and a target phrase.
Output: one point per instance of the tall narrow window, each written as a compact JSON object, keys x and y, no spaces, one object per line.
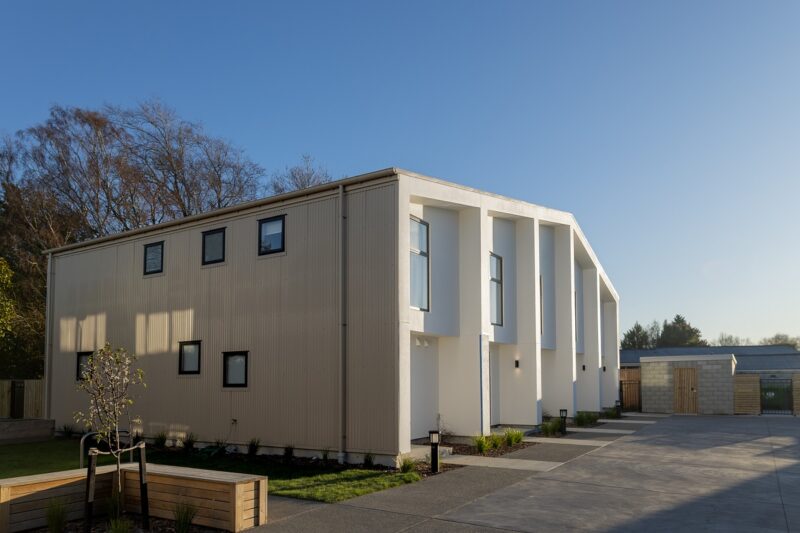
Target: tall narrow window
{"x":153,"y":258}
{"x":496,"y":289}
{"x":234,"y":369}
{"x":271,"y":235}
{"x":189,"y":357}
{"x":420,"y":265}
{"x":214,"y":246}
{"x":83,"y":360}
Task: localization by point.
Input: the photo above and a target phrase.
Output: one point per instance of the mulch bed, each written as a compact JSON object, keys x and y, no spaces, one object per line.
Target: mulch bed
{"x":469,"y":449}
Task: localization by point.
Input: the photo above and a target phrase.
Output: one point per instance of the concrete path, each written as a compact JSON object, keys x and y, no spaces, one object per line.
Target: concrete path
{"x":681,"y":474}
{"x":502,"y":462}
{"x":601,"y":430}
{"x":568,"y":441}
{"x":624,"y":421}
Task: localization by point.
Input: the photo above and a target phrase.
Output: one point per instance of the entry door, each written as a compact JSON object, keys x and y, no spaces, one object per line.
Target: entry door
{"x":494,"y":385}
{"x":685,"y":390}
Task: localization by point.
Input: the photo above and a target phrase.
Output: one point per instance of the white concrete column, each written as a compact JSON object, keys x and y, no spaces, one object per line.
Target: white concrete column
{"x":610,"y":378}
{"x":464,"y":390}
{"x":588,"y":382}
{"x":562,"y":391}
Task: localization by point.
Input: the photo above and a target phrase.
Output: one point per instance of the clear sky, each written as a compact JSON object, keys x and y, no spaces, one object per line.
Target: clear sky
{"x":670,"y":129}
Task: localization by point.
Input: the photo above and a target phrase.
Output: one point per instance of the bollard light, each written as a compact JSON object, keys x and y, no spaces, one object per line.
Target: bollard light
{"x":563,"y":413}
{"x":433,"y":436}
{"x":618,"y":408}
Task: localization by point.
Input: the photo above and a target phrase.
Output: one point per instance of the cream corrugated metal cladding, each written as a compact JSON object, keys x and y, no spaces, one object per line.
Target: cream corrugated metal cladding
{"x":282,"y":308}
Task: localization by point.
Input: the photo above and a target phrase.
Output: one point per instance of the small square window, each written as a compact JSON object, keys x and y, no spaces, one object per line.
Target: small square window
{"x":271,"y":235}
{"x":189,"y":358}
{"x":214,"y":246}
{"x":154,"y":258}
{"x":234,"y":369}
{"x":82,"y":361}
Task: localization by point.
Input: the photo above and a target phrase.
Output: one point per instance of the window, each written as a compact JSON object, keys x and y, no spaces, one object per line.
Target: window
{"x":82,"y":361}
{"x":271,"y":235}
{"x":234,"y":370}
{"x":154,"y":258}
{"x":420,"y":265}
{"x":189,"y":357}
{"x":214,"y":246}
{"x":496,"y":289}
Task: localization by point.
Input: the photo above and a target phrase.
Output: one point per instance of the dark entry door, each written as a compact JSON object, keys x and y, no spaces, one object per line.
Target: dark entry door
{"x":17,"y":399}
{"x":776,"y":396}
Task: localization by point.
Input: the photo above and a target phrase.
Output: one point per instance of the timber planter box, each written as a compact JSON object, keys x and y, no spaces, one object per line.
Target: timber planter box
{"x":224,"y":500}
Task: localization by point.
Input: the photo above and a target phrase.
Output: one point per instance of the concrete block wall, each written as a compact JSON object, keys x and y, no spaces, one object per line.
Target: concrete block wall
{"x":714,"y":386}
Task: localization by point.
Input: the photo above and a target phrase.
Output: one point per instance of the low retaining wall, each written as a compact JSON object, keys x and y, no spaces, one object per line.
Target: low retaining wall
{"x":25,"y":430}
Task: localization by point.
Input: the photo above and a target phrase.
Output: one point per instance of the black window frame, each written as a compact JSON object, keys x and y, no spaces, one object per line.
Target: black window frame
{"x":183,"y":372}
{"x":78,"y":363}
{"x":427,"y":257}
{"x":261,"y":224}
{"x":499,"y":282}
{"x":203,"y":256}
{"x":161,"y":263}
{"x":225,"y":356}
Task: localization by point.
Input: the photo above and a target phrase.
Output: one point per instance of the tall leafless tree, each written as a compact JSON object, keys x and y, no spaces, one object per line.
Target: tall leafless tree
{"x":297,"y":177}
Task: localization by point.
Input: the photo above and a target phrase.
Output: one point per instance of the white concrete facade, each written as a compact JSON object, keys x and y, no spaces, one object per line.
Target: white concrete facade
{"x":555,"y":345}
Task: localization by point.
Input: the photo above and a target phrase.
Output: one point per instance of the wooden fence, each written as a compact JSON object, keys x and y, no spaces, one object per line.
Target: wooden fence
{"x":630,"y":388}
{"x":747,"y":394}
{"x":33,"y":402}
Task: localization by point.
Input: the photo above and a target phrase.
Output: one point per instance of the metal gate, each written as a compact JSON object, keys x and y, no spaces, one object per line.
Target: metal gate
{"x":630,"y":389}
{"x":776,"y":396}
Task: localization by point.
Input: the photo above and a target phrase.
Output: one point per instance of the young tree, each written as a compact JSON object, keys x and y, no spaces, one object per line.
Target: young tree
{"x":679,"y":333}
{"x":636,"y":338}
{"x":7,"y":311}
{"x":107,"y":378}
{"x":301,"y":176}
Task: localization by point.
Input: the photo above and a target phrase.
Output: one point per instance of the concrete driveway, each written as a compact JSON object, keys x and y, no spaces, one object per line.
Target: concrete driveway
{"x":679,"y":474}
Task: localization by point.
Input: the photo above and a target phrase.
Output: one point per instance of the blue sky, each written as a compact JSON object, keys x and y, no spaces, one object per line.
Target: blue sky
{"x":670,"y":129}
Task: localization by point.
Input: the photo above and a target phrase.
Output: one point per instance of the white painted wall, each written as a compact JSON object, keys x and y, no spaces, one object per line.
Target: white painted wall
{"x":547,"y":272}
{"x":589,"y":378}
{"x":579,"y":318}
{"x":503,"y":242}
{"x":424,"y":385}
{"x":443,"y":317}
{"x":610,"y":386}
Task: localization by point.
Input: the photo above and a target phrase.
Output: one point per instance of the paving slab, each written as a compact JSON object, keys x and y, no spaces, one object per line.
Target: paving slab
{"x":558,"y":453}
{"x":623,"y":421}
{"x":280,"y":508}
{"x":338,"y":518}
{"x":603,"y":430}
{"x":608,"y":437}
{"x":438,"y":494}
{"x":568,"y":441}
{"x":501,"y":462}
{"x":434,"y":525}
{"x":635,"y":414}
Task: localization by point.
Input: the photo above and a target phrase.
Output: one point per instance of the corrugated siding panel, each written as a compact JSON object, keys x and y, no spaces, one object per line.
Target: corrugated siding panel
{"x":282,"y":308}
{"x":372,"y":321}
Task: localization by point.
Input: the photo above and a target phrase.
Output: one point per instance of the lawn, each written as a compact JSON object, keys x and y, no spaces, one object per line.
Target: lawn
{"x":326,"y":483}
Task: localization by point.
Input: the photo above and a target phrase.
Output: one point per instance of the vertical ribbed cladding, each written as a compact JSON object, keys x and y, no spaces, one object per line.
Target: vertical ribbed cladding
{"x":372,"y":320}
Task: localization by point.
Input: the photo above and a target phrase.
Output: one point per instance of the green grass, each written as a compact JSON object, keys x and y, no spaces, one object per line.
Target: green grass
{"x":325,"y":483}
{"x":40,"y":457}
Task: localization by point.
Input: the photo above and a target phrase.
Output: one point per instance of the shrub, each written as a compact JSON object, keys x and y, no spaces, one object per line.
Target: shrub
{"x":183,"y":513}
{"x":496,"y":441}
{"x":119,"y":525}
{"x":160,"y":440}
{"x":610,"y":412}
{"x":482,"y":443}
{"x":67,"y":430}
{"x":252,"y":446}
{"x":56,"y":515}
{"x":188,"y":442}
{"x":325,"y":454}
{"x":369,"y":460}
{"x":512,"y":437}
{"x":585,"y":418}
{"x":288,"y":453}
{"x":550,"y":427}
{"x":407,"y":464}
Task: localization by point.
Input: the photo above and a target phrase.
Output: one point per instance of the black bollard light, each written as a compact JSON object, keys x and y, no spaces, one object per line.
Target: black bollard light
{"x":433,"y":436}
{"x":618,"y":407}
{"x":563,"y":413}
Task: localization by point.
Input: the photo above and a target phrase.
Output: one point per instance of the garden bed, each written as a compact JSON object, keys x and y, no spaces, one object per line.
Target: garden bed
{"x":471,"y":449}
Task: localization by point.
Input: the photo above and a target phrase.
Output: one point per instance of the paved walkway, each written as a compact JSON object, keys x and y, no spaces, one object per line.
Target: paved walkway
{"x":680,"y":474}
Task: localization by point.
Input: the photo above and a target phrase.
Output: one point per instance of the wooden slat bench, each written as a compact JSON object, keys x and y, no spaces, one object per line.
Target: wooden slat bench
{"x":24,"y":500}
{"x":225,"y":500}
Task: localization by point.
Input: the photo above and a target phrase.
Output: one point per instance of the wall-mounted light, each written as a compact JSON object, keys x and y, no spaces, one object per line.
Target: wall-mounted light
{"x":604,"y":368}
{"x":583,"y":367}
{"x":516,"y":363}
